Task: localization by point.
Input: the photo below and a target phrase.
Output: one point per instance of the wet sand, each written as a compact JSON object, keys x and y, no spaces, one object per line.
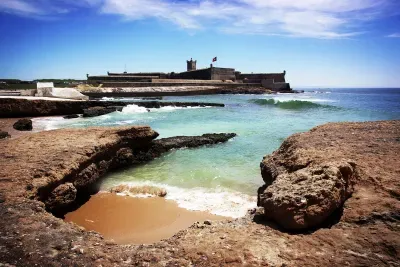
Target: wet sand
{"x":128,"y":220}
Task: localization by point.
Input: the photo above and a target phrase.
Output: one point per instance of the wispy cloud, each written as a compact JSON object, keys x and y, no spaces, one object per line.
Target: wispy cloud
{"x":393,"y":35}
{"x":305,"y":18}
{"x":44,"y":8}
{"x":19,"y":7}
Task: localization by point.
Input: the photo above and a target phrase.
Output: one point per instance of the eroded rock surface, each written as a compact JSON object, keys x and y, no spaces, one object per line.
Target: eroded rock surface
{"x":305,"y":198}
{"x":367,"y":234}
{"x":307,"y":182}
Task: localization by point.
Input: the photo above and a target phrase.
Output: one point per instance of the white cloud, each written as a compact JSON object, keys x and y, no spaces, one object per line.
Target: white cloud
{"x":301,"y":18}
{"x":17,"y":6}
{"x":44,"y":8}
{"x":393,"y":35}
{"x":306,"y":18}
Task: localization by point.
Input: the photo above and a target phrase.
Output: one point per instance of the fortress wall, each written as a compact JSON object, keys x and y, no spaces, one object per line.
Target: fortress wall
{"x":161,"y":75}
{"x":258,"y":77}
{"x":171,"y":83}
{"x":101,"y":79}
{"x":203,"y":74}
{"x":184,"y":81}
{"x":281,"y":87}
{"x":223,"y":74}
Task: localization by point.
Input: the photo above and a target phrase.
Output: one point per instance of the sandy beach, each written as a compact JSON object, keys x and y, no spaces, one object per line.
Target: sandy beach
{"x":129,"y":220}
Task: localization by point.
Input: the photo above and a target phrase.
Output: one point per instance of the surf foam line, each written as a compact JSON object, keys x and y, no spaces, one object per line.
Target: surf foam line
{"x":218,"y":201}
{"x":137,"y":109}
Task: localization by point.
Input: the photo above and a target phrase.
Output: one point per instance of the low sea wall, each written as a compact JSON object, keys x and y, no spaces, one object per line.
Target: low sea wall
{"x":180,"y":83}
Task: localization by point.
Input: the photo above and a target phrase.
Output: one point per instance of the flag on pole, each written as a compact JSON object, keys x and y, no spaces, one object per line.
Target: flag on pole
{"x":214,"y":59}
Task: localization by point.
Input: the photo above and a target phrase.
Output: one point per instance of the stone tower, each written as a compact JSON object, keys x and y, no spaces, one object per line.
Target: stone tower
{"x":191,"y":65}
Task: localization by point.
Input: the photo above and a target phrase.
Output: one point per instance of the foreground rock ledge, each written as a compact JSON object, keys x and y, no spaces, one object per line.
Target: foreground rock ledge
{"x":309,"y":178}
{"x":367,"y":233}
{"x":61,"y":167}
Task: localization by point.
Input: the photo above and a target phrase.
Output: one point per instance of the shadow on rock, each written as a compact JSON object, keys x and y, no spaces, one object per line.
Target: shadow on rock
{"x":331,"y":221}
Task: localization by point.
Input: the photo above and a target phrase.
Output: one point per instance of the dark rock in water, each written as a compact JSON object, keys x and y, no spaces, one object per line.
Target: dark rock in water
{"x":117,"y":108}
{"x":166,"y":144}
{"x":4,"y":134}
{"x":73,"y":116}
{"x":23,"y":125}
{"x":98,"y":111}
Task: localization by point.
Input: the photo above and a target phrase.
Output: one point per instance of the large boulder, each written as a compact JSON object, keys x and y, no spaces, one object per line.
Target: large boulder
{"x":23,"y":125}
{"x":307,"y":180}
{"x":305,"y":198}
{"x":4,"y":134}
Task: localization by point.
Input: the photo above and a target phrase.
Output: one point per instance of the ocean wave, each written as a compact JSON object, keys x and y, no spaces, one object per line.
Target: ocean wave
{"x":48,"y":124}
{"x":218,"y":201}
{"x":321,"y":92}
{"x":137,"y":109}
{"x":290,"y":104}
{"x":134,"y":109}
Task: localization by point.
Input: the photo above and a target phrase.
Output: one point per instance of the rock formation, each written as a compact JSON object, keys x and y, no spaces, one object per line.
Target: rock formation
{"x":305,"y":198}
{"x":98,"y":111}
{"x":306,"y":182}
{"x":72,"y":116}
{"x":4,"y":134}
{"x":23,"y":125}
{"x":46,"y":166}
{"x":12,"y":108}
{"x":72,"y":180}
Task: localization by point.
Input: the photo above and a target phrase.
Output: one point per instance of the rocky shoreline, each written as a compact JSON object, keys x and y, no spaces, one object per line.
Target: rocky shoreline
{"x":347,"y":173}
{"x":12,"y":107}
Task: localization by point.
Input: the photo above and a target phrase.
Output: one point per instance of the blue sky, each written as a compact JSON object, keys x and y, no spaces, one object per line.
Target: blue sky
{"x":327,"y":43}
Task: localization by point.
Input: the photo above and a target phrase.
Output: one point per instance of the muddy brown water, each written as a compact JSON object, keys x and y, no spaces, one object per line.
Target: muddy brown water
{"x":128,"y":220}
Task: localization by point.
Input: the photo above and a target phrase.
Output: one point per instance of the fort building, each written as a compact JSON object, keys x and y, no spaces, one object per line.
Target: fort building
{"x":205,"y":76}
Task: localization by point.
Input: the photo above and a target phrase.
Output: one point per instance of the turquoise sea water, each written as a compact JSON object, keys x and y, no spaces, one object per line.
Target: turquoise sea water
{"x":224,"y":178}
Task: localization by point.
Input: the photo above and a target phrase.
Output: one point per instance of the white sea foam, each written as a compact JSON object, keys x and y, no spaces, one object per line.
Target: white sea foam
{"x":134,"y":109}
{"x":137,"y":109}
{"x":107,"y":98}
{"x":47,"y":124}
{"x":309,"y":98}
{"x":218,"y":201}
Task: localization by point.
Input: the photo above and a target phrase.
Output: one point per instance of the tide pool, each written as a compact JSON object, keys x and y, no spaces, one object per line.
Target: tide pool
{"x":224,"y":178}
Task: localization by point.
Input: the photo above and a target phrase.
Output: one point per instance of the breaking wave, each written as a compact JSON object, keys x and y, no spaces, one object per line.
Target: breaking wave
{"x":137,"y":109}
{"x":218,"y":201}
{"x":291,"y":104}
